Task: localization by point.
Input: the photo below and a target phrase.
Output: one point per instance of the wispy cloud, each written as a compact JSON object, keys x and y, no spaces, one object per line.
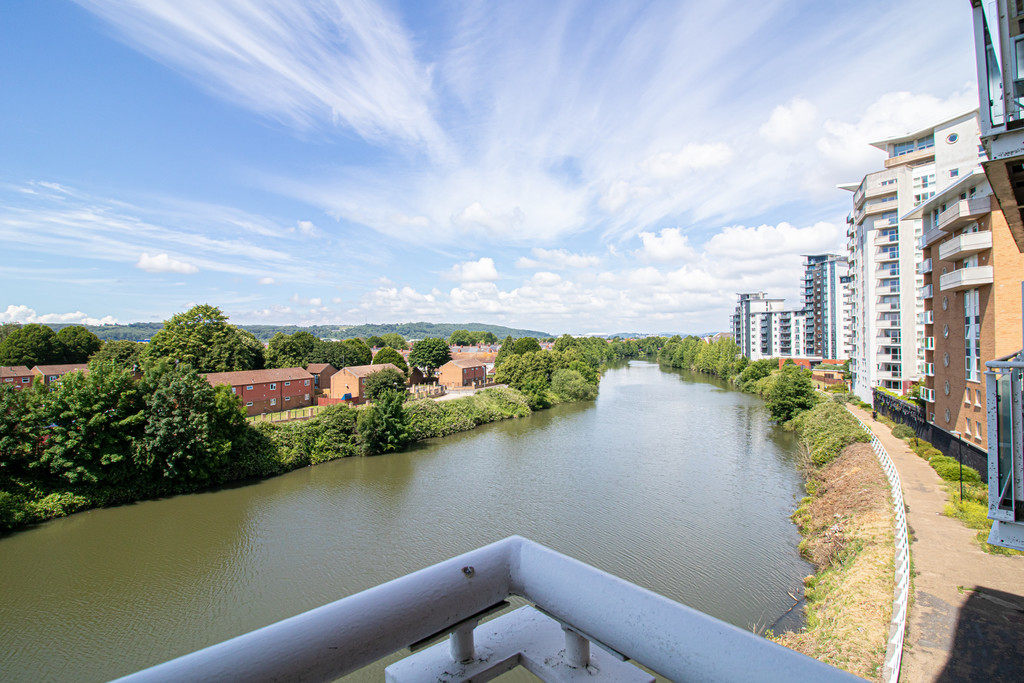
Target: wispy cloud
{"x":162,"y":263}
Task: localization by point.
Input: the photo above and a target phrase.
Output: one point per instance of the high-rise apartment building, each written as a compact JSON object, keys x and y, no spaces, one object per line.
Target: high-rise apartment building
{"x":827,"y":303}
{"x":764,"y":329}
{"x":884,"y":253}
{"x":972,"y":272}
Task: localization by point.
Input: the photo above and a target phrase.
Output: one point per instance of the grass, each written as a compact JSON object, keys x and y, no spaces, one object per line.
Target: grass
{"x":285,"y":415}
{"x":848,"y":534}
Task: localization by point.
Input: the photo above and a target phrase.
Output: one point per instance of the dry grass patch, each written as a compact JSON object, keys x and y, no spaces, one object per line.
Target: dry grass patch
{"x":848,"y":533}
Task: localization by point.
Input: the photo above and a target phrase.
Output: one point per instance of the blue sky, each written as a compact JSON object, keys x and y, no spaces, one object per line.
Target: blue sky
{"x":580,"y":167}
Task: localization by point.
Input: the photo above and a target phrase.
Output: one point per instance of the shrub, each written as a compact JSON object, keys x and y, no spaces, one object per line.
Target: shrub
{"x":570,"y":385}
{"x":949,"y":469}
{"x":902,"y":431}
{"x":826,"y":429}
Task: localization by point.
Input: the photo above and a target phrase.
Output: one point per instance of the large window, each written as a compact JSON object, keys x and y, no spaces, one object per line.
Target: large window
{"x":972,"y":336}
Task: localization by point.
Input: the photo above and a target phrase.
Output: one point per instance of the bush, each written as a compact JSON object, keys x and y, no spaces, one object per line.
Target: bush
{"x":571,"y":385}
{"x":949,"y":469}
{"x":826,"y":429}
{"x":430,"y":419}
{"x":902,"y":431}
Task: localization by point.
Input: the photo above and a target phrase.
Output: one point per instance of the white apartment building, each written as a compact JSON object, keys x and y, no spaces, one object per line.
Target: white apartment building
{"x":827,"y":303}
{"x":886,"y":287}
{"x":764,"y":329}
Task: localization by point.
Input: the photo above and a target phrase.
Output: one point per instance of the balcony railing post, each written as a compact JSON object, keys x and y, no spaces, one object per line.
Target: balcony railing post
{"x":577,"y":649}
{"x":461,"y":642}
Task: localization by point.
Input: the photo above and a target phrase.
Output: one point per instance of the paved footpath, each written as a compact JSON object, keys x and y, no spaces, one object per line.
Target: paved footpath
{"x":966,"y":621}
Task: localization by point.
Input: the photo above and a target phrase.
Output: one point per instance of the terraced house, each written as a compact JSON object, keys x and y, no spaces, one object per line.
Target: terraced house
{"x":268,"y":391}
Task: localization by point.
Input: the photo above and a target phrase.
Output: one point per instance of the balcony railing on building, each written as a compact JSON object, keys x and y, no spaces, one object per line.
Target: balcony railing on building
{"x":966,"y":278}
{"x":963,"y":212}
{"x":926,"y":292}
{"x":1005,"y":407}
{"x":573,"y":605}
{"x":965,"y":245}
{"x":924,"y":266}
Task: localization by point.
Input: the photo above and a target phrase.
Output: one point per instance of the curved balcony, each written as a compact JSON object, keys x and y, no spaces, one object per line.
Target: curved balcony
{"x":966,"y":278}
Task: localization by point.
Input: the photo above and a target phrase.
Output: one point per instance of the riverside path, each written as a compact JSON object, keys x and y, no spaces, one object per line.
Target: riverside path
{"x":966,"y":620}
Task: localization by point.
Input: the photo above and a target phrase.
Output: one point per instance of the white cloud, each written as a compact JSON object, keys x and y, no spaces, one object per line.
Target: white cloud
{"x":692,"y":157}
{"x":268,"y":281}
{"x":163,"y":263}
{"x":482,"y":270}
{"x":790,"y":123}
{"x":557,"y":259}
{"x":307,"y":229}
{"x":667,"y":246}
{"x":302,"y":301}
{"x":24,"y":314}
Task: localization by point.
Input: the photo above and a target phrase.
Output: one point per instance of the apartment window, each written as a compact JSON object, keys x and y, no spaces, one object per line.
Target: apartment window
{"x":249,"y":388}
{"x":9,"y":379}
{"x":233,"y":390}
{"x":24,"y":380}
{"x":972,"y":336}
{"x":273,"y":385}
{"x":926,"y":142}
{"x":248,"y":404}
{"x":954,"y":173}
{"x":977,"y":425}
{"x":287,"y":384}
{"x":891,"y":181}
{"x":889,"y":216}
{"x":967,"y":429}
{"x":307,"y":382}
{"x":901,"y":148}
{"x":287,"y":398}
{"x":307,"y":397}
{"x":273,"y":401}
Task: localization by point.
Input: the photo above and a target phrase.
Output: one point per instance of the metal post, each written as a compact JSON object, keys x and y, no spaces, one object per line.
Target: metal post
{"x":959,"y":457}
{"x":461,"y":642}
{"x":577,"y":649}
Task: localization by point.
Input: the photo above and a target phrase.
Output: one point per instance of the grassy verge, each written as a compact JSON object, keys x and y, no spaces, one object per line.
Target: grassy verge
{"x":972,"y":509}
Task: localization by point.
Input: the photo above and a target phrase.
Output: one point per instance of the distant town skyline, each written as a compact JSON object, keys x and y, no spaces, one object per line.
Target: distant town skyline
{"x":557,"y":166}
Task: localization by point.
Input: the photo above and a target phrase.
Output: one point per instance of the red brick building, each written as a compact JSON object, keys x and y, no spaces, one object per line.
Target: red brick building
{"x":322,"y":373}
{"x":16,"y":376}
{"x":268,"y":391}
{"x":347,"y":383}
{"x":52,"y":373}
{"x":456,"y":374}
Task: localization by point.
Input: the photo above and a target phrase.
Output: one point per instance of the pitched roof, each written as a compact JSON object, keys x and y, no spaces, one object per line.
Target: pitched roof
{"x":14,"y":371}
{"x":465,"y":363}
{"x":240,"y":377}
{"x":479,"y":356}
{"x":59,"y":369}
{"x":319,"y":367}
{"x":364,"y":370}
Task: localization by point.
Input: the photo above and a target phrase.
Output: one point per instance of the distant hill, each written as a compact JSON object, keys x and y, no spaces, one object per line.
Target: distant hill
{"x":418,"y":330}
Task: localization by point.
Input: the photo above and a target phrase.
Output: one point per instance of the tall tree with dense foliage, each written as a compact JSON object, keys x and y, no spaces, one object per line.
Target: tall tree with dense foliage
{"x":791,"y":393}
{"x":31,"y":345}
{"x":384,"y":427}
{"x":6,"y":329}
{"x":375,"y":342}
{"x":460,"y":338}
{"x":507,"y":349}
{"x":526,"y":345}
{"x":394,"y":340}
{"x":78,"y":343}
{"x":126,"y":355}
{"x":202,"y":338}
{"x":389,"y":355}
{"x":340,"y":354}
{"x":290,"y":350}
{"x":189,"y":427}
{"x":430,"y":353}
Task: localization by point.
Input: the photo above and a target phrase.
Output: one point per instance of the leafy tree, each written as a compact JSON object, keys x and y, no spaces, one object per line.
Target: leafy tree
{"x":361,"y":353}
{"x":430,"y":353}
{"x":31,"y":345}
{"x":486,"y":338}
{"x":79,"y":343}
{"x":460,"y":338}
{"x":290,"y":351}
{"x":383,"y":427}
{"x":586,"y":371}
{"x":189,"y":427}
{"x":394,"y":340}
{"x":92,"y":420}
{"x":375,"y":342}
{"x":565,"y":342}
{"x":570,"y":384}
{"x":19,"y":433}
{"x":7,"y":328}
{"x":124,"y":354}
{"x":389,"y":355}
{"x":526,"y":345}
{"x":506,"y":350}
{"x":381,"y":381}
{"x":202,"y":338}
{"x":340,"y":354}
{"x":790,"y":394}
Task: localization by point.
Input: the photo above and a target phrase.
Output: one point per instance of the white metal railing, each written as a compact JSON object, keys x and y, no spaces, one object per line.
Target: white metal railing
{"x":901,"y":593}
{"x":1004,"y":380}
{"x":587,"y":604}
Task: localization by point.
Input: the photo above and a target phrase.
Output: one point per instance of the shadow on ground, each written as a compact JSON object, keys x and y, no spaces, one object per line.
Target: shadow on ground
{"x":988,"y":640}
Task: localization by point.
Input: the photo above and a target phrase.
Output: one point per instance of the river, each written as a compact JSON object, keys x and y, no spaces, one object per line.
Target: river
{"x":669,"y":480}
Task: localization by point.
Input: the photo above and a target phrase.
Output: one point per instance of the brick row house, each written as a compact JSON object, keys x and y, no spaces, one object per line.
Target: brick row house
{"x":458,"y":374}
{"x":20,"y":376}
{"x":268,"y":391}
{"x":347,"y":384}
{"x":17,"y":376}
{"x":322,"y":373}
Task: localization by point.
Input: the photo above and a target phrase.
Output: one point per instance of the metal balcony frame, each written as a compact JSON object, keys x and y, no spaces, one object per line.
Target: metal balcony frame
{"x":592,"y":606}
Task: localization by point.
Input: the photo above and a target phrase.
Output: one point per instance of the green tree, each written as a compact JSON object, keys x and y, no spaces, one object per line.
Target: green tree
{"x":383,"y":427}
{"x":202,"y":338}
{"x":290,"y":350}
{"x":360,"y":352}
{"x":31,"y":345}
{"x":430,"y":353}
{"x":461,"y":338}
{"x":6,"y":329}
{"x":381,"y":381}
{"x":507,"y":349}
{"x":91,"y":421}
{"x":124,"y":354}
{"x":340,"y":354}
{"x":375,"y":342}
{"x":79,"y":343}
{"x":791,"y":393}
{"x":526,"y":345}
{"x":189,"y":428}
{"x":389,"y":355}
{"x":486,"y":338}
{"x":395,"y":341}
{"x":571,"y":385}
{"x":19,"y":434}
